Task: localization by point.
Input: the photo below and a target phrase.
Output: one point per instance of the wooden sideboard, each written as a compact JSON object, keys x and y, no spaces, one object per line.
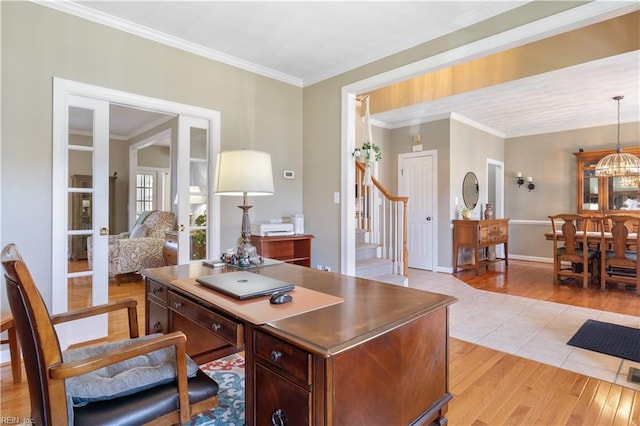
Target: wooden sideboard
{"x":477,"y":235}
{"x":290,"y":248}
{"x":362,"y":361}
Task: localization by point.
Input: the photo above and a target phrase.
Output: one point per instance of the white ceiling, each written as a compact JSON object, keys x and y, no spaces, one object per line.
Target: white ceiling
{"x":305,"y":42}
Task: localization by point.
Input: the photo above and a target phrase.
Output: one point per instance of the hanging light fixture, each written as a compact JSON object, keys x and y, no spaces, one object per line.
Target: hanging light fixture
{"x":619,"y":163}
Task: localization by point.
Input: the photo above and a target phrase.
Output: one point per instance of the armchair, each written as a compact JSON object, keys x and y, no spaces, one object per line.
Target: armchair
{"x":101,"y":384}
{"x":141,"y":248}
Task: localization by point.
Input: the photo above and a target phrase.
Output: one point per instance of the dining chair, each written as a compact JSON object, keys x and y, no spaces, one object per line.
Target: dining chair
{"x":619,"y":252}
{"x":141,"y":380}
{"x":572,"y":256}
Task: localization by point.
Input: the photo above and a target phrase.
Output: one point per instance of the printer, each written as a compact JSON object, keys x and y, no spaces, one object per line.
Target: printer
{"x":271,"y":229}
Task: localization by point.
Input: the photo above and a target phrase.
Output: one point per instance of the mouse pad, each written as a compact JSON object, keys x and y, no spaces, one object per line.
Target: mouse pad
{"x":260,"y":311}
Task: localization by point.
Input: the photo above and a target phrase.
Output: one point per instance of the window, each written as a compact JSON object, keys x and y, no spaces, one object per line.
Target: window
{"x":144,"y":192}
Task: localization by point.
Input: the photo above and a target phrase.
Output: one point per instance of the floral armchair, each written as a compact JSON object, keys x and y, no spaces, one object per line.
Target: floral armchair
{"x":141,"y":248}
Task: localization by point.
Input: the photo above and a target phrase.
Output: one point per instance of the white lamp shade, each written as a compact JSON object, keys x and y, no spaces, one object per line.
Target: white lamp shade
{"x":243,"y":171}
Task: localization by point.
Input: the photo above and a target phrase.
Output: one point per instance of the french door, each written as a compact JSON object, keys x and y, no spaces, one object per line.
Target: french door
{"x":81,"y":195}
{"x":194,"y":172}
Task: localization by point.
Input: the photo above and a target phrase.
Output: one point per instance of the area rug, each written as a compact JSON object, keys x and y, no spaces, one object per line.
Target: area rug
{"x":607,"y":338}
{"x":229,"y":373}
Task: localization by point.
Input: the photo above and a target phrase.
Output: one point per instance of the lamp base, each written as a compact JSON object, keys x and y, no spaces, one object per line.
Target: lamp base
{"x":245,"y":248}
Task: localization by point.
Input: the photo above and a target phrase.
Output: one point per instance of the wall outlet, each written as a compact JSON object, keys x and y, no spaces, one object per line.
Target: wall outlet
{"x":319,"y":267}
{"x":327,"y":268}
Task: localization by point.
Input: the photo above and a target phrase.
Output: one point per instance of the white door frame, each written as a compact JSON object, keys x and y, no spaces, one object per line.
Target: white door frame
{"x":434,"y":202}
{"x":134,"y":168}
{"x":62,"y":90}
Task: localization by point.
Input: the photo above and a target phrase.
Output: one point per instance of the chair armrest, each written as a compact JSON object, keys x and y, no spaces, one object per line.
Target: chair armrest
{"x":129,"y":304}
{"x":177,"y":339}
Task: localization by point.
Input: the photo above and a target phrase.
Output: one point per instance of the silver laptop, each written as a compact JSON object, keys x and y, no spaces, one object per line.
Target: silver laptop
{"x":244,"y":285}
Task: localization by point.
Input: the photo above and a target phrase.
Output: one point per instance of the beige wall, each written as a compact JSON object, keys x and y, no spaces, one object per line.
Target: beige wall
{"x":549,"y":159}
{"x":39,"y":43}
{"x":322,"y":119}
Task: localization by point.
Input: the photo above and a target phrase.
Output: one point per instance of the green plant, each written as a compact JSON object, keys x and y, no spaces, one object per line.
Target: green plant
{"x":364,"y":152}
{"x":199,"y":237}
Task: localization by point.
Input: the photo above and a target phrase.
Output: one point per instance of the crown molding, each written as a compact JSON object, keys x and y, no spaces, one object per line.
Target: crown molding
{"x":93,"y":15}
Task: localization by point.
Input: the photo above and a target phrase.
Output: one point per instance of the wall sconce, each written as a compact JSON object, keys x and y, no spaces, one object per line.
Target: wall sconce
{"x":530,"y":185}
{"x":519,"y":179}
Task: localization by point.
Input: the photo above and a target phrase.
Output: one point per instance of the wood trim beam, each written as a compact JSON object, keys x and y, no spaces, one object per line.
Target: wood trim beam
{"x":597,"y":41}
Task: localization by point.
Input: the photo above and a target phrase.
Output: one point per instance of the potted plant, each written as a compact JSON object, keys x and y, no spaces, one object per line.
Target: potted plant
{"x":199,"y":238}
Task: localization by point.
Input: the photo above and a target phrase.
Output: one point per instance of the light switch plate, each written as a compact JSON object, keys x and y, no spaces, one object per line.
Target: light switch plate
{"x":288,"y":174}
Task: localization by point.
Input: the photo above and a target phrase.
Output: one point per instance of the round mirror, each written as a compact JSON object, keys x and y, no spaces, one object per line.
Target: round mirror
{"x":470,"y":190}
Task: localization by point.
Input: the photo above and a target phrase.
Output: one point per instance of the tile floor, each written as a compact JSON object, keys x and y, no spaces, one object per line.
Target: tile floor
{"x":533,"y":329}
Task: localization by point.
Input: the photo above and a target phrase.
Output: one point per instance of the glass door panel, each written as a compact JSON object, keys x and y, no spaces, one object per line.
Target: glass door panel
{"x":624,"y":193}
{"x":193,"y":186}
{"x":87,"y":214}
{"x":590,"y":187}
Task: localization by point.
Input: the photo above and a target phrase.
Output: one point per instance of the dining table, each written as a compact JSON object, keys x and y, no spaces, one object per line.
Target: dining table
{"x":593,"y":237}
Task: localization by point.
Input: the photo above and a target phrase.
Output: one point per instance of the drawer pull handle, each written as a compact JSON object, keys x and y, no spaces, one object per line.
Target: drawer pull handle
{"x":276,"y":356}
{"x":277,"y":418}
{"x":177,"y":305}
{"x":216,"y":327}
{"x":157,"y":327}
{"x":156,"y":290}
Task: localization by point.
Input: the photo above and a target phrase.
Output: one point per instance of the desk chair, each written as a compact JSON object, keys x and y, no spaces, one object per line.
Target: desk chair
{"x":138,"y":381}
{"x":570,"y":245}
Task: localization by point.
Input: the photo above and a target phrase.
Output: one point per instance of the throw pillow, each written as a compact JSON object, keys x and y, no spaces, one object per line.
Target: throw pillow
{"x":138,"y":231}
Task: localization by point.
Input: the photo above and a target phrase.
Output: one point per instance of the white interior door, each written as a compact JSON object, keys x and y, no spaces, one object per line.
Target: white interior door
{"x":416,"y":180}
{"x":81,"y":227}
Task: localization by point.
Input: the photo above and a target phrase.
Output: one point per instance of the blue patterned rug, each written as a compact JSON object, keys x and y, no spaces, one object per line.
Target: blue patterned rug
{"x":229,"y":373}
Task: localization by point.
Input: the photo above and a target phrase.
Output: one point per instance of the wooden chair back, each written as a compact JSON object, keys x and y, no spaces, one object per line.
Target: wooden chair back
{"x":565,"y":232}
{"x":570,"y":245}
{"x":37,"y":336}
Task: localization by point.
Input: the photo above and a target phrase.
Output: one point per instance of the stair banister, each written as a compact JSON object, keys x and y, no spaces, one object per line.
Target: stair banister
{"x":372,"y":209}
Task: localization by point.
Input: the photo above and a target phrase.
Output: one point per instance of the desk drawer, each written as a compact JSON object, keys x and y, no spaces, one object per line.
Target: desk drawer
{"x":288,"y":359}
{"x":157,"y":291}
{"x":221,"y":326}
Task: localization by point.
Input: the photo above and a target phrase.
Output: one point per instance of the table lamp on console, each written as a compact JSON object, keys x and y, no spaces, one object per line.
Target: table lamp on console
{"x":247,"y":173}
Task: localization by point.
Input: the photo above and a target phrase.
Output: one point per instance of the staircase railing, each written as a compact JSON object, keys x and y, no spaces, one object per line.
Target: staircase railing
{"x":384,"y":217}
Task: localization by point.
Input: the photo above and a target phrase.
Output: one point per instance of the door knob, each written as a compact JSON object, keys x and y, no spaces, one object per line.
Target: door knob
{"x":429,"y":218}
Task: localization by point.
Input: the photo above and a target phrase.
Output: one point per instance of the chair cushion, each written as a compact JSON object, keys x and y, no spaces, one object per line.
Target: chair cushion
{"x":138,"y":231}
{"x":123,"y":378}
{"x":144,"y":406}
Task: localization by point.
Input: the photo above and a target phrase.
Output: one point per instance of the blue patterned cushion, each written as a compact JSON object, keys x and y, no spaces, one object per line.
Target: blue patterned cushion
{"x":124,"y":378}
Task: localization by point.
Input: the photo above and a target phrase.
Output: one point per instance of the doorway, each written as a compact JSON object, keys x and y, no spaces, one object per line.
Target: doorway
{"x":93,"y":150}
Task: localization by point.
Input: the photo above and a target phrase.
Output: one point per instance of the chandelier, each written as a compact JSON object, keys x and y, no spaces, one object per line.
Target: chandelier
{"x":619,"y":163}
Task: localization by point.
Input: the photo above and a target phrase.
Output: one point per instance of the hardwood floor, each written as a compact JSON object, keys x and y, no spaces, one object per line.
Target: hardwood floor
{"x":489,"y":387}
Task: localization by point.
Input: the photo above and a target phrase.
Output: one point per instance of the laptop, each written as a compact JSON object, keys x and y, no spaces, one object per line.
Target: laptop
{"x":244,"y":285}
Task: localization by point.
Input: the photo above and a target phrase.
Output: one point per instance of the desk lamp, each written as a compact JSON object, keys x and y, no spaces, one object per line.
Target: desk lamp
{"x":248,"y":173}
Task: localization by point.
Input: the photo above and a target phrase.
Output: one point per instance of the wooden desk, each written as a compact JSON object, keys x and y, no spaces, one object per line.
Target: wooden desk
{"x":477,"y":234}
{"x":379,"y":357}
